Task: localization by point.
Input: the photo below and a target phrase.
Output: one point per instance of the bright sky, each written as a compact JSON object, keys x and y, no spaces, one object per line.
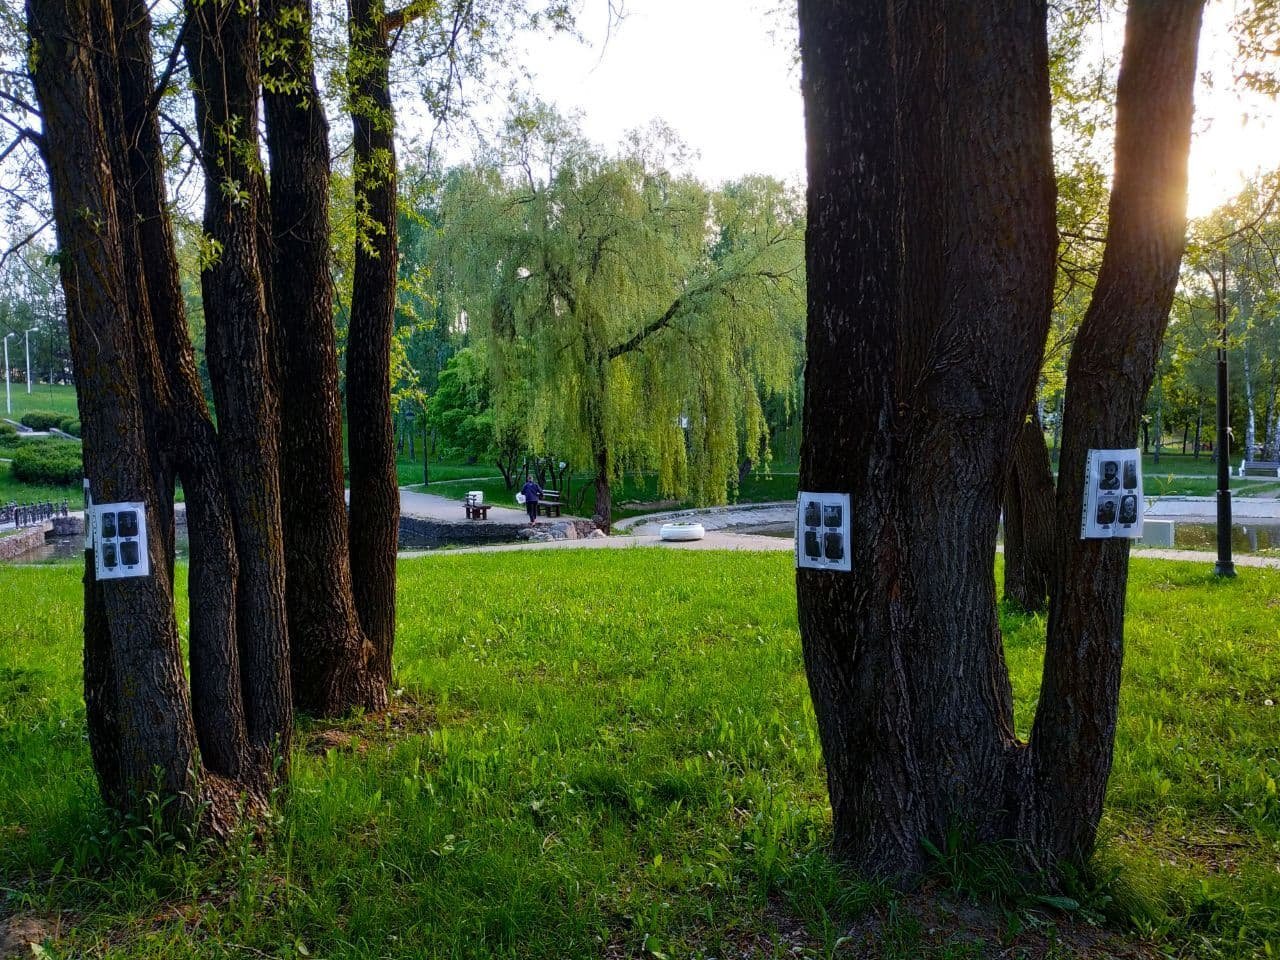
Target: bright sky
{"x":721,"y":73}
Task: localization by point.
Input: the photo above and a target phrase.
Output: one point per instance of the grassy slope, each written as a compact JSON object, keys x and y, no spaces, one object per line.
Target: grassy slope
{"x":59,"y":399}
{"x":623,"y":761}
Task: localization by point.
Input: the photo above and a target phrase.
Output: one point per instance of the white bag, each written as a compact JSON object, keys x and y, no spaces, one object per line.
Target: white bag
{"x":519,"y":498}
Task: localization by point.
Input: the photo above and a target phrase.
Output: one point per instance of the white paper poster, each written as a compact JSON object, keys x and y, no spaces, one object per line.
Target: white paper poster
{"x":120,"y":535}
{"x":822,"y":531}
{"x":1113,"y":503}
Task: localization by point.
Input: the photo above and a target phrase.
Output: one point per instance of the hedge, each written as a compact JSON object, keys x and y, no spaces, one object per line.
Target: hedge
{"x":41,"y":419}
{"x":70,"y":425}
{"x":53,"y":462}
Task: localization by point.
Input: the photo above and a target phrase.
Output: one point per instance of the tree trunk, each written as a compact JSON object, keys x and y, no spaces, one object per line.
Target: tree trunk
{"x":1029,"y":518}
{"x":1186,"y":429}
{"x":1273,"y":416}
{"x":1199,"y":424}
{"x":222,"y":53}
{"x":330,"y":655}
{"x":930,"y":253}
{"x":143,"y":741}
{"x":1159,"y":420}
{"x":162,"y":336}
{"x":1074,"y":730}
{"x":375,"y":494}
{"x":602,"y":515}
{"x":1250,"y":419}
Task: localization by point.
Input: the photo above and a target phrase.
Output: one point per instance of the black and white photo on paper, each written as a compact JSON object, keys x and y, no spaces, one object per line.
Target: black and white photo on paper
{"x":1113,"y":502}
{"x":822,"y":531}
{"x":1129,"y":509}
{"x":1110,"y":475}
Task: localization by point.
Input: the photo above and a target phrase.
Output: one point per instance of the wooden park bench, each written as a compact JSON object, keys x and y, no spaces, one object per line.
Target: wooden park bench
{"x":1259,"y":468}
{"x":476,"y":509}
{"x":549,"y":503}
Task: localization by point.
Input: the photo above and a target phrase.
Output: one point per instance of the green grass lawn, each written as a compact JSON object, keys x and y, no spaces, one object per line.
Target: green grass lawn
{"x":57,"y":398}
{"x":623,"y":763}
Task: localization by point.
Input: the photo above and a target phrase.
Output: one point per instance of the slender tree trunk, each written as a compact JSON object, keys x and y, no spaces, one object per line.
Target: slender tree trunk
{"x":375,"y":494}
{"x":1250,"y":419}
{"x":1199,"y":424}
{"x":222,"y":53}
{"x":1273,"y":415}
{"x":930,"y":253}
{"x":1074,"y":731}
{"x":1029,"y":519}
{"x":143,"y":741}
{"x":1186,"y":429}
{"x":1159,"y":420}
{"x":330,"y":655}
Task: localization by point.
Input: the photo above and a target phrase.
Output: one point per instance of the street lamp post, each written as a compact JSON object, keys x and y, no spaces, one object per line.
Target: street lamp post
{"x":8,"y":403}
{"x":27,"y":340}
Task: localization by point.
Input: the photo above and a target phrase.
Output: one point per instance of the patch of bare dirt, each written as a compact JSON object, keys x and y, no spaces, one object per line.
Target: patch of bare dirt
{"x":405,"y":717}
{"x":19,"y":934}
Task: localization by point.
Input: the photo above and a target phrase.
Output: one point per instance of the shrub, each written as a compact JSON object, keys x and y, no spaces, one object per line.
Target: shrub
{"x":53,"y":462}
{"x":41,"y":419}
{"x":70,"y":425}
{"x":8,"y":429}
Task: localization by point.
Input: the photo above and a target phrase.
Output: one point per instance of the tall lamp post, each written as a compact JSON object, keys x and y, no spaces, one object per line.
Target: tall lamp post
{"x":8,"y":404}
{"x":27,"y":340}
{"x":1224,"y":566}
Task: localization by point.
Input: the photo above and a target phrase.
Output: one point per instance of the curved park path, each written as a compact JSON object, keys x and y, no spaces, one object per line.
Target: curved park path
{"x":727,"y":527}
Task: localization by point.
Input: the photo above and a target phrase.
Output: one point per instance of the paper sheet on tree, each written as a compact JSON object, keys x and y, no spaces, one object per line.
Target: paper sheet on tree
{"x":1113,"y":504}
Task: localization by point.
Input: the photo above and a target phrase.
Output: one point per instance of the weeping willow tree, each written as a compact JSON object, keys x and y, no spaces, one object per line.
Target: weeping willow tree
{"x":633,"y":319}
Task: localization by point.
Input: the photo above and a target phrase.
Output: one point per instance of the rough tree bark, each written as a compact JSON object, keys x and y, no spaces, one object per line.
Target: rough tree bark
{"x":330,"y":655}
{"x":930,"y":267}
{"x":1028,"y":520}
{"x":930,"y":254}
{"x":1111,"y":368}
{"x":143,"y":741}
{"x":212,"y":570}
{"x":222,"y":54}
{"x":375,"y":494}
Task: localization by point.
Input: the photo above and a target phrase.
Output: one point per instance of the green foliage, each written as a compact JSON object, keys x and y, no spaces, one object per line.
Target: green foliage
{"x":633,"y":768}
{"x":41,"y":419}
{"x":632,"y":319}
{"x":70,"y":425}
{"x":7,"y":430}
{"x":460,"y":411}
{"x":48,"y":462}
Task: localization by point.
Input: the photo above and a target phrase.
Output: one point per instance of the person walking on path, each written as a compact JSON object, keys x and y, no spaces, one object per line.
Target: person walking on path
{"x":531,"y":493}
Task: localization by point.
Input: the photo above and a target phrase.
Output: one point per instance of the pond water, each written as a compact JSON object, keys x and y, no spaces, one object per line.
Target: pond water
{"x":1245,"y":537}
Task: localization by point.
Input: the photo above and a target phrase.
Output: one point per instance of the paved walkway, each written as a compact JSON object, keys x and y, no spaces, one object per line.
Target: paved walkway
{"x":431,"y":506}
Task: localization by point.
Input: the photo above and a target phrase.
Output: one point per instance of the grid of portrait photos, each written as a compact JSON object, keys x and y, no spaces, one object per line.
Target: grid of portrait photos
{"x":822,"y":531}
{"x":1113,"y":504}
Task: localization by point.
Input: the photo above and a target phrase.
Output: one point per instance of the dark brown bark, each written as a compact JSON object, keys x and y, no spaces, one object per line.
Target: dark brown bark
{"x":930,"y":255}
{"x":1111,"y":367}
{"x":1028,"y":520}
{"x":154,"y":744}
{"x":186,"y":432}
{"x":330,"y":655}
{"x":222,"y":54}
{"x":375,"y":494}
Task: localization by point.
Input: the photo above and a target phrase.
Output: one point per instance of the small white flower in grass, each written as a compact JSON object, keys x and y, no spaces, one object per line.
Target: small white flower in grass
{"x":1269,"y":703}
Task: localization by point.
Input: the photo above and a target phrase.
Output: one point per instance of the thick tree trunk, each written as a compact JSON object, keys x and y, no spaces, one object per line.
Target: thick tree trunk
{"x":144,"y":741}
{"x":1028,"y":521}
{"x":602,"y":515}
{"x":329,"y":652}
{"x":222,"y":53}
{"x":930,"y":254}
{"x":1074,"y":730}
{"x":375,"y":494}
{"x":163,"y":339}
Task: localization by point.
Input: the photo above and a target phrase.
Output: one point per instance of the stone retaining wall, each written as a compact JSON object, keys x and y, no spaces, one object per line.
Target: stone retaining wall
{"x":418,"y":533}
{"x":17,"y":544}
